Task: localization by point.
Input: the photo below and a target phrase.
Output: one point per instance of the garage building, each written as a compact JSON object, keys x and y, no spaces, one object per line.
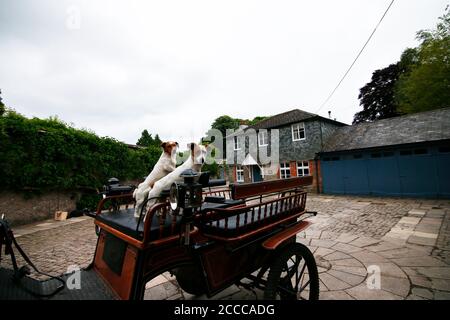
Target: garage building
{"x":402,"y":156}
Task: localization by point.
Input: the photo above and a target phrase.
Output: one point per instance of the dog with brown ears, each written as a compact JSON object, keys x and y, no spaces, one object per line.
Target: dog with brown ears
{"x":165,"y":165}
{"x":195,"y":161}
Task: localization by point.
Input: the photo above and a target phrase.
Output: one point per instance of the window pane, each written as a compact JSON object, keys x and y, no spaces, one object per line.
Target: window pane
{"x":296,"y":132}
{"x":240,"y":174}
{"x":285,"y":171}
{"x":306,"y":172}
{"x":302,"y":134}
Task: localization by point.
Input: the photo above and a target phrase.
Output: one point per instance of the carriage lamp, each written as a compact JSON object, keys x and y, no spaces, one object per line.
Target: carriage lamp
{"x":186,"y":196}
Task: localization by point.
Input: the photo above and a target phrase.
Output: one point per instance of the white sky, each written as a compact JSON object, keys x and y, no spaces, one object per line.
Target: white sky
{"x":172,"y":67}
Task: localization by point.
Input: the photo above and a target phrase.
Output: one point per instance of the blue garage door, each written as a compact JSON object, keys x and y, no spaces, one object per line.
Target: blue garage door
{"x":383,"y":174}
{"x":443,"y":171}
{"x":333,"y":175}
{"x":415,"y":172}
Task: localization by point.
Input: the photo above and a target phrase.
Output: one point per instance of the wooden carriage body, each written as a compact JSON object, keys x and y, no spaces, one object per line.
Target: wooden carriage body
{"x":231,"y":238}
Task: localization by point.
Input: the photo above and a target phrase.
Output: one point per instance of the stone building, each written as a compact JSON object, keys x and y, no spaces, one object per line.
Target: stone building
{"x":301,"y":135}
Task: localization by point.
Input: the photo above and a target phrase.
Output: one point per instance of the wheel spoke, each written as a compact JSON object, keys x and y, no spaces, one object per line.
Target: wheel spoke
{"x":292,"y":273}
{"x":299,"y":277}
{"x":294,"y":268}
{"x":306,"y":284}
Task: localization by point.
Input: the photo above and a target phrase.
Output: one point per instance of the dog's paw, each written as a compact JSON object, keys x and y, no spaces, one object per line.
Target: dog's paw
{"x":136,"y":213}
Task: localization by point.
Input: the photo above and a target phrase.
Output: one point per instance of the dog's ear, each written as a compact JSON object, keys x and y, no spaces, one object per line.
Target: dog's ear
{"x":163,"y":145}
{"x":191,"y":147}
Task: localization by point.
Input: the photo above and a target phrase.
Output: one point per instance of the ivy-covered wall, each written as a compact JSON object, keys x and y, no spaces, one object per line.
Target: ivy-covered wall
{"x":48,"y":155}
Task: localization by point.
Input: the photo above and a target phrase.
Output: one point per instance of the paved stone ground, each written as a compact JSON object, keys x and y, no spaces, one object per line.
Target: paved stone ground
{"x":55,"y":245}
{"x":407,"y":240}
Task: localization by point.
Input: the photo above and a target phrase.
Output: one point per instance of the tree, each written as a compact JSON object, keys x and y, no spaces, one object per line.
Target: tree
{"x":2,"y":106}
{"x":146,"y":140}
{"x":420,"y":81}
{"x":256,"y":120}
{"x":377,"y":96}
{"x":225,"y":122}
{"x":441,"y":32}
{"x":157,"y":141}
{"x":427,"y":85}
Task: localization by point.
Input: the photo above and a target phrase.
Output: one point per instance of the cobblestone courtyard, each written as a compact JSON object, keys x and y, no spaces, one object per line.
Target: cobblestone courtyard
{"x":407,"y":239}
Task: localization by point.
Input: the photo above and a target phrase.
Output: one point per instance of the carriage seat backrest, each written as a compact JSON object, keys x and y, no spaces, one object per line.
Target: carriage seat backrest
{"x":248,"y":190}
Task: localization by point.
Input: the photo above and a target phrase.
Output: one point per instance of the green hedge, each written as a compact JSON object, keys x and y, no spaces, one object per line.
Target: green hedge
{"x":37,"y":154}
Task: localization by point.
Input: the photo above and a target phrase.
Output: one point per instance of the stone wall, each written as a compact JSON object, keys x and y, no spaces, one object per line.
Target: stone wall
{"x":20,"y":210}
{"x":316,"y":133}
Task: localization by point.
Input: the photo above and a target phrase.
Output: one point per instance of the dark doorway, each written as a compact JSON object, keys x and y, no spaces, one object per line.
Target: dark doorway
{"x":256,"y":174}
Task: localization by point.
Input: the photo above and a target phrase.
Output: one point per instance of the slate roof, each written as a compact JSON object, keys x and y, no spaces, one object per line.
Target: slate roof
{"x":418,"y":127}
{"x":289,"y":117}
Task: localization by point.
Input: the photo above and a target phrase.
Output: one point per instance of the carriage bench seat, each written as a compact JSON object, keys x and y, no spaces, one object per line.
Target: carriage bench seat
{"x":125,"y":222}
{"x":287,"y":202}
{"x":233,"y":222}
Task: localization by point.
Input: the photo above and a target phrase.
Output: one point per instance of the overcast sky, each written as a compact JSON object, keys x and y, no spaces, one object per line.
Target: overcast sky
{"x":172,"y":67}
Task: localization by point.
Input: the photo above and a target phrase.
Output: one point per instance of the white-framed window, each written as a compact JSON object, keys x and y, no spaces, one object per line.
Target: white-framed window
{"x":262,"y":138}
{"x":239,"y":174}
{"x":236,"y":143}
{"x":302,"y":168}
{"x":298,"y":131}
{"x":285,"y":170}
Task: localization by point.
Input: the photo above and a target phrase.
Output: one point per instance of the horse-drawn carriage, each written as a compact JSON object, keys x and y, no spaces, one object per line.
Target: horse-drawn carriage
{"x":207,"y":234}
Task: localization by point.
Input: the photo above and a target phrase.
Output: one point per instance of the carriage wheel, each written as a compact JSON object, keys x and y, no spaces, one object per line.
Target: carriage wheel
{"x":190,"y":279}
{"x":293,"y":275}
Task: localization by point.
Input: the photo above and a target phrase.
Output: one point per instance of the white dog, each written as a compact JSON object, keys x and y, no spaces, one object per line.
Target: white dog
{"x":195,"y":162}
{"x":163,"y":167}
